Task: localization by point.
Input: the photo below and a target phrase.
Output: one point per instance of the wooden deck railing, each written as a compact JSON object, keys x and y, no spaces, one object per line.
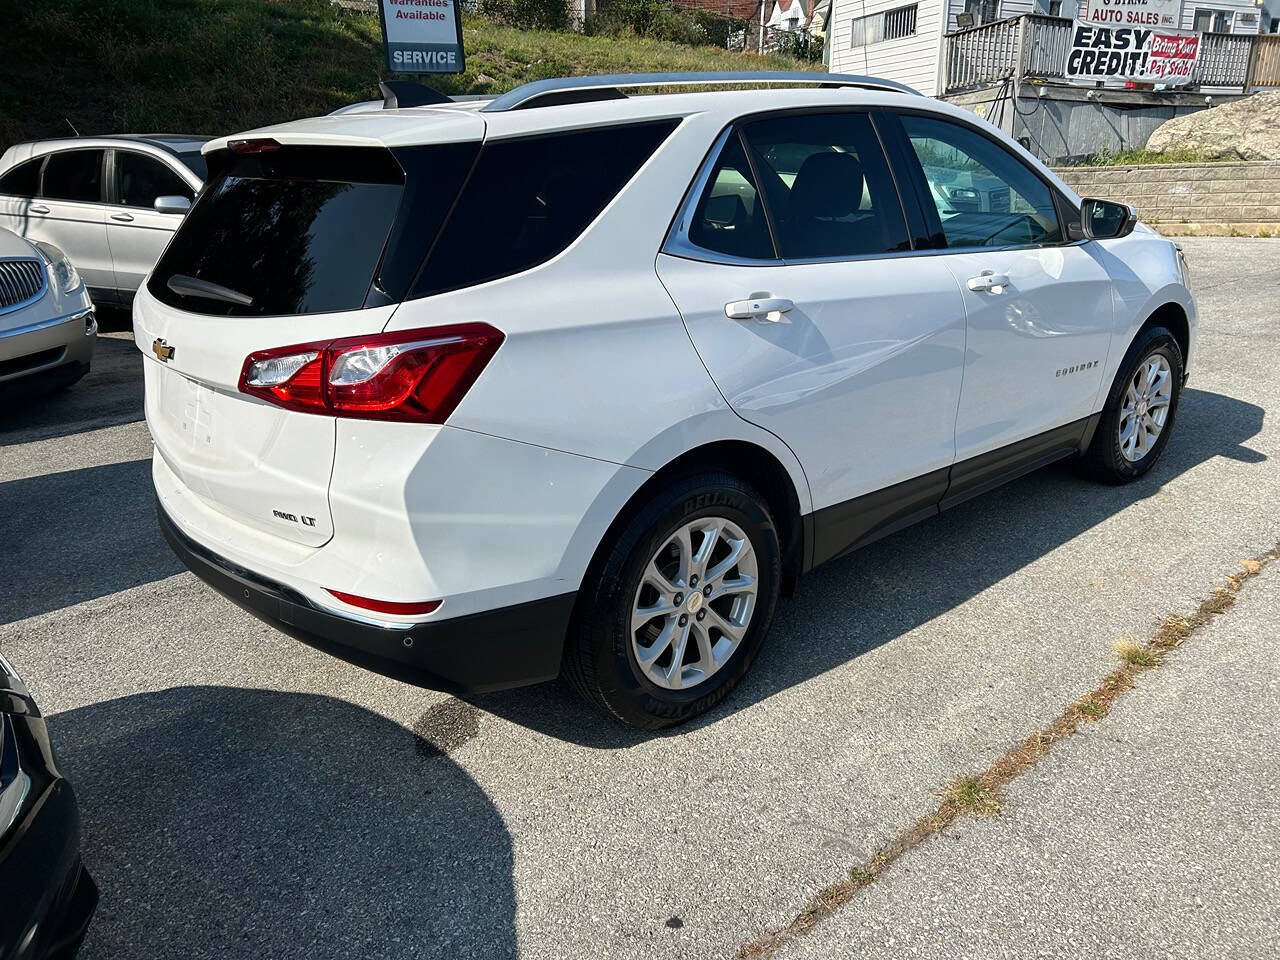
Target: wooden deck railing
{"x":1035,"y":47}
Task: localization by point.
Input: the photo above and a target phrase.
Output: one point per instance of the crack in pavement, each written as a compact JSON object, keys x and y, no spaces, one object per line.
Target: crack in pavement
{"x":980,"y":794}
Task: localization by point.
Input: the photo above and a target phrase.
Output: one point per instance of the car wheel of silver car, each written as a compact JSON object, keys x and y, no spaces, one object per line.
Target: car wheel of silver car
{"x":678,"y":603}
{"x":1136,"y":422}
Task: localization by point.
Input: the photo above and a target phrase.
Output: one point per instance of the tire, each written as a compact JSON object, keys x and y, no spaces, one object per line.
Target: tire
{"x":1114,"y":457}
{"x":603,"y":652}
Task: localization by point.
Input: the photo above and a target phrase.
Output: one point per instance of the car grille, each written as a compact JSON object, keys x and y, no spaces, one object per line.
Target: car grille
{"x":21,"y":281}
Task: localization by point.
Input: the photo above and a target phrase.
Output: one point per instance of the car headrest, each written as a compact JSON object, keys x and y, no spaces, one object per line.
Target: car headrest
{"x":827,"y":185}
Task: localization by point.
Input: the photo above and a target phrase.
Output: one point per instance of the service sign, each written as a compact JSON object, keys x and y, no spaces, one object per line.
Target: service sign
{"x":1166,"y":14}
{"x":422,"y":36}
{"x":1140,"y":54}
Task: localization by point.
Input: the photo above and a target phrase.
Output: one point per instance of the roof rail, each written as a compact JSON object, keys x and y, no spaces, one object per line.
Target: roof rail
{"x":545,"y":93}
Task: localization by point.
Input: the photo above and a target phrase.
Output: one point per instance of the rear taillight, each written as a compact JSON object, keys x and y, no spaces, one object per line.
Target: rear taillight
{"x":415,"y":375}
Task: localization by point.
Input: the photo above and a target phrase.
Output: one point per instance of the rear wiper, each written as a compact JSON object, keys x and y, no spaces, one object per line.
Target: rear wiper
{"x":185,"y":286}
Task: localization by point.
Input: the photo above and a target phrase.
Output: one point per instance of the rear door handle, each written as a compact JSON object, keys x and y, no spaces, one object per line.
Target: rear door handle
{"x":769,"y":309}
{"x":38,"y":208}
{"x":988,"y":283}
{"x":122,"y":217}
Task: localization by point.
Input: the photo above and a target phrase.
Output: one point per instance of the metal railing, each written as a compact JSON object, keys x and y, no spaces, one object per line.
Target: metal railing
{"x":1035,"y":47}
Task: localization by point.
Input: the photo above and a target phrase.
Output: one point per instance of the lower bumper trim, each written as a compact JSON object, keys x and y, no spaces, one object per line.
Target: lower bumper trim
{"x":495,"y":650}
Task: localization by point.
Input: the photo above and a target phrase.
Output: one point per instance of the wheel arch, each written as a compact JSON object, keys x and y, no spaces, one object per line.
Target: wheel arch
{"x":750,"y":462}
{"x":1173,"y":317}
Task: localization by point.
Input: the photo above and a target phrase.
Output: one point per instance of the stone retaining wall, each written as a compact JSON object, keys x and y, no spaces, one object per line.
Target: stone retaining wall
{"x":1225,"y":198}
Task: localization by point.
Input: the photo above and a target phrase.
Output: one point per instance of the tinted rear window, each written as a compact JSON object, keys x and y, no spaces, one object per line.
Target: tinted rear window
{"x":303,"y":230}
{"x":23,"y":180}
{"x":529,"y":198}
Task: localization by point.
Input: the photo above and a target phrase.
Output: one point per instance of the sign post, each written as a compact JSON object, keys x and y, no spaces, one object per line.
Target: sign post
{"x":422,"y":36}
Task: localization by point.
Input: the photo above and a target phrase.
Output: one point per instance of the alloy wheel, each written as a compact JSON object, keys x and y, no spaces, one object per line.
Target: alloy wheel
{"x":1145,"y":410}
{"x":694,"y":603}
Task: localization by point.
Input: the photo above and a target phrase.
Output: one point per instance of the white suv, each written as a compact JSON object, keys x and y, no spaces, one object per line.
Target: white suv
{"x":571,"y":382}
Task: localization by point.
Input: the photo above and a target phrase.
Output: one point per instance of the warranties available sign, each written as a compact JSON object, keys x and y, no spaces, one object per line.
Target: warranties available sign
{"x":1138,"y":53}
{"x":422,"y":36}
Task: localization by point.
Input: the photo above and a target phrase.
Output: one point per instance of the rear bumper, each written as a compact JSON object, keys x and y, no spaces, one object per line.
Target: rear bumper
{"x":507,"y":647}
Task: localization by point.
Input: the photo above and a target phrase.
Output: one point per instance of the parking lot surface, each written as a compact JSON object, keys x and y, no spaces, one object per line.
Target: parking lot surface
{"x":243,"y":794}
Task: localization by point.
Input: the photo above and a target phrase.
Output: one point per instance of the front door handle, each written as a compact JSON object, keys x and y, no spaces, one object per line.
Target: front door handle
{"x":769,"y":309}
{"x":988,"y":283}
{"x":39,"y":208}
{"x":122,"y":217}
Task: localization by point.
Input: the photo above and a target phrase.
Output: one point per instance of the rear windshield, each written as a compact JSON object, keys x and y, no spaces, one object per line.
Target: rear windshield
{"x":295,"y":231}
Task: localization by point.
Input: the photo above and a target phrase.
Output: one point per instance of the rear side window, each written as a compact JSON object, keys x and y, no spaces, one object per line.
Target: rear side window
{"x":73,"y":175}
{"x":140,"y":179}
{"x":23,"y":180}
{"x":529,"y":198}
{"x":984,"y":195}
{"x":828,"y":186}
{"x":730,"y":218}
{"x":303,"y":229}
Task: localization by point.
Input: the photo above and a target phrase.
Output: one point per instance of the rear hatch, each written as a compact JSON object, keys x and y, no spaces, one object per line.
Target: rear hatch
{"x":288,"y":243}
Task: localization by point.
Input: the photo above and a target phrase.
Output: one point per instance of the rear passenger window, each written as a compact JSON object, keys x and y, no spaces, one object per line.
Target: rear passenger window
{"x":23,"y":180}
{"x":729,"y":218}
{"x":74,"y":175}
{"x":985,"y":196}
{"x":527,"y":199}
{"x":826,"y":181}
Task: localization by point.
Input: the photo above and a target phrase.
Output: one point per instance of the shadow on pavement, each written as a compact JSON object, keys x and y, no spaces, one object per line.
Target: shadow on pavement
{"x":73,"y":536}
{"x":250,"y":823}
{"x":850,"y":606}
{"x":110,"y":394}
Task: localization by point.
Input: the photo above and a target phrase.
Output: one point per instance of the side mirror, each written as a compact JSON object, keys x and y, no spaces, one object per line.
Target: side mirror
{"x":172,"y":204}
{"x":1106,"y":219}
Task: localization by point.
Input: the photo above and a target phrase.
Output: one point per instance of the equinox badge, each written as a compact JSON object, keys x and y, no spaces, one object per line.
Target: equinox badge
{"x":162,"y":350}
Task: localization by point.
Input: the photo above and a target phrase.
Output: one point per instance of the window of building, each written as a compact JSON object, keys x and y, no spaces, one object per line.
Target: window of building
{"x":1055,"y":8}
{"x":887,"y":25}
{"x":1212,"y":21}
{"x":983,"y":11}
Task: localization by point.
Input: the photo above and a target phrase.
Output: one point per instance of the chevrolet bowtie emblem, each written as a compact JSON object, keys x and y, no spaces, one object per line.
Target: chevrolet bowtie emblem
{"x":162,"y":350}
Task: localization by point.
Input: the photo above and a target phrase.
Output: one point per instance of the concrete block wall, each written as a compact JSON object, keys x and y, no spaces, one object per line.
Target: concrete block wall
{"x":1191,"y":198}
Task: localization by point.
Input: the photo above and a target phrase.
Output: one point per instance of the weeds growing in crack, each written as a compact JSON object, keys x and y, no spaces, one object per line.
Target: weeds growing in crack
{"x":980,"y":794}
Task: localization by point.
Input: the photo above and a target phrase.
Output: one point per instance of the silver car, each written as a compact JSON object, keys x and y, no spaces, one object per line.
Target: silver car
{"x":110,"y":203}
{"x":47,"y":323}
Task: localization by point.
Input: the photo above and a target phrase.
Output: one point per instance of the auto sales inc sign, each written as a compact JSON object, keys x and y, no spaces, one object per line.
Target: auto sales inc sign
{"x":422,"y":36}
{"x":1134,"y":40}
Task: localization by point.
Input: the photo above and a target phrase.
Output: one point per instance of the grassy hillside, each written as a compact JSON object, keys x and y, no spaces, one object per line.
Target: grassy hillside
{"x":216,"y":66}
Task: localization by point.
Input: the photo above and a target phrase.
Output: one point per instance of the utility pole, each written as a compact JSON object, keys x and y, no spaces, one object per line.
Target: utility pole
{"x":760,"y":44}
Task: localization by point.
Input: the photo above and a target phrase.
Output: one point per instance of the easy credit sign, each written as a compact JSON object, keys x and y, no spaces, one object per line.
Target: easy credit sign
{"x":422,"y":36}
{"x":1140,"y":54}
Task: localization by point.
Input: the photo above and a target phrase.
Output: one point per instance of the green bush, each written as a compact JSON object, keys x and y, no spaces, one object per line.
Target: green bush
{"x":659,"y":20}
{"x":528,"y":14}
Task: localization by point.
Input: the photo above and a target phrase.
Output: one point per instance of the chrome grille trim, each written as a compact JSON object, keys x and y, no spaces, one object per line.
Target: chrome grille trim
{"x":23,"y":281}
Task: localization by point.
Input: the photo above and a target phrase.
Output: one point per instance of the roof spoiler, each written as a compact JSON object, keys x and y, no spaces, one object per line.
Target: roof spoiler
{"x":405,"y":93}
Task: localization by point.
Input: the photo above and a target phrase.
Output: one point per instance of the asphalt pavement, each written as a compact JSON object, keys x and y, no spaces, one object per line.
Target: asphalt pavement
{"x":243,"y":794}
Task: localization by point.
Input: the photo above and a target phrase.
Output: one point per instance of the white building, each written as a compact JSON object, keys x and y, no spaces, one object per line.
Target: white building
{"x":903,"y":41}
